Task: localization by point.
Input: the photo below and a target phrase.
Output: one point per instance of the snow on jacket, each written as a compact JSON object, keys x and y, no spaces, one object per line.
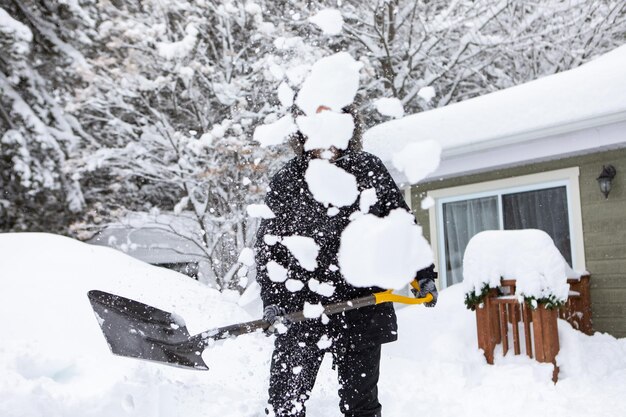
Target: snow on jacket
{"x":298,"y":213}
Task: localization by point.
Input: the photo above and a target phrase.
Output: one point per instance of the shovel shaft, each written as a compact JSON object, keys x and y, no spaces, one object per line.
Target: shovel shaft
{"x":206,"y":338}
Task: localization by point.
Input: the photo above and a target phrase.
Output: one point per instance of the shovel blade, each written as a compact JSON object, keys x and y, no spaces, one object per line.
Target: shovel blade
{"x":136,"y":330}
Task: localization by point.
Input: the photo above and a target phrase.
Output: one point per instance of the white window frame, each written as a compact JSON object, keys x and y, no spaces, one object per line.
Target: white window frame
{"x":568,"y":177}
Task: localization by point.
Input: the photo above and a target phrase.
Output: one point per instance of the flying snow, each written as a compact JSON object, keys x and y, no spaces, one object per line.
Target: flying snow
{"x":246,"y":257}
{"x":329,"y":20}
{"x":384,"y":252}
{"x":367,"y":200}
{"x":275,"y":133}
{"x":322,"y":288}
{"x":312,"y":311}
{"x":330,"y":184}
{"x":304,"y":249}
{"x":389,"y":107}
{"x":418,"y":159}
{"x":260,"y":210}
{"x":285,"y":94}
{"x":293,"y":285}
{"x":276,"y":272}
{"x":333,"y":82}
{"x":326,"y":129}
{"x":427,"y":203}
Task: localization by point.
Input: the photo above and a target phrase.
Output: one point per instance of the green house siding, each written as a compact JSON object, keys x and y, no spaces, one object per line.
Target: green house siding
{"x":604,"y":227}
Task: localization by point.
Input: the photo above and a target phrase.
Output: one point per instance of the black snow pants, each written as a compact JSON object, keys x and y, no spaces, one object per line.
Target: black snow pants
{"x":294,"y":369}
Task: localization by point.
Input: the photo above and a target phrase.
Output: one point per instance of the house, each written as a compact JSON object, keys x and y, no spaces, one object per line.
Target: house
{"x":529,"y":157}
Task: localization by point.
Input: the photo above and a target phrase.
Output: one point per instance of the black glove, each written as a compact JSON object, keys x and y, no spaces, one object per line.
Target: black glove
{"x":275,"y":316}
{"x":426,"y":286}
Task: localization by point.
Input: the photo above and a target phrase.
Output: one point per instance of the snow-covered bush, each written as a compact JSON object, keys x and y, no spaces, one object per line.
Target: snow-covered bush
{"x":528,"y":256}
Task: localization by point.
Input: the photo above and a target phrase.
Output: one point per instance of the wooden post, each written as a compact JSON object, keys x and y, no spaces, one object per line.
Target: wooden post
{"x":514,"y":311}
{"x":585,"y":304}
{"x":487,"y":326}
{"x":546,"y":336}
{"x":527,"y":317}
{"x":504,"y":329}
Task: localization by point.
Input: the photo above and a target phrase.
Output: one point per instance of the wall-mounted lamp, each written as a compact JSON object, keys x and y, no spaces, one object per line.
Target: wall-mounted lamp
{"x":605,"y":179}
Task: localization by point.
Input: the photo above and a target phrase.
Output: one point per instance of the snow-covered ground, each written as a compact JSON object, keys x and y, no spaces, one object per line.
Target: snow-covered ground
{"x":55,"y":362}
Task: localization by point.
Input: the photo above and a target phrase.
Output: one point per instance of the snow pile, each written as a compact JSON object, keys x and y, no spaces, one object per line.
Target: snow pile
{"x":528,"y":256}
{"x":330,"y":184}
{"x":383,"y":252}
{"x":333,"y":82}
{"x":329,"y":20}
{"x":418,"y":159}
{"x":55,"y":362}
{"x":326,"y":129}
{"x":389,"y":107}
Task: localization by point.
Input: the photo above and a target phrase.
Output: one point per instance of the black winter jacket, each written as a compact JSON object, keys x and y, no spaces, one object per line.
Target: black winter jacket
{"x":298,"y":213}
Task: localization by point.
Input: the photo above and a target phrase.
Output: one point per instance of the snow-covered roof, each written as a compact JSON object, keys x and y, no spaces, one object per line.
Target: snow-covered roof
{"x":589,"y":96}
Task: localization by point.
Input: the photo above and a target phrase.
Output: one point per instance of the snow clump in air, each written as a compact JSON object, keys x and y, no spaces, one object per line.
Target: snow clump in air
{"x":333,"y":82}
{"x":427,"y":203}
{"x":330,"y":184}
{"x":325,"y":342}
{"x":329,"y":21}
{"x":367,"y":200}
{"x":528,"y":256}
{"x":312,"y":311}
{"x":260,"y":211}
{"x":389,"y":107}
{"x":246,"y":257}
{"x":276,"y":272}
{"x":293,"y":285}
{"x":326,"y":129}
{"x":304,"y":249}
{"x":322,"y":288}
{"x":384,"y":252}
{"x":275,"y":133}
{"x":418,"y":159}
{"x":285,"y":95}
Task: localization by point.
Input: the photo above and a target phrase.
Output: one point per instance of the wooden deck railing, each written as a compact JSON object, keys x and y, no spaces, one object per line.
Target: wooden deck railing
{"x":502,"y":310}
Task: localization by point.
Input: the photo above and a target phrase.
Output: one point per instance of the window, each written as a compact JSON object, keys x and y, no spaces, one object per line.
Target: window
{"x":547,"y":201}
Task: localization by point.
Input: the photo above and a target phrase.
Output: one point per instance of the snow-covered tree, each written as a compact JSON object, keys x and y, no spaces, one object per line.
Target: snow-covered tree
{"x":37,"y":136}
{"x":432,"y":53}
{"x":113,"y":107}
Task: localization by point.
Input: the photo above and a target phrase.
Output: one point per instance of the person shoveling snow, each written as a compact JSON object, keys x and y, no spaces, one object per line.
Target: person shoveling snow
{"x":309,"y":252}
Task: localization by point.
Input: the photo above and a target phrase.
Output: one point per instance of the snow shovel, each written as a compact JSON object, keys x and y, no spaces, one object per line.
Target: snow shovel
{"x":140,"y":331}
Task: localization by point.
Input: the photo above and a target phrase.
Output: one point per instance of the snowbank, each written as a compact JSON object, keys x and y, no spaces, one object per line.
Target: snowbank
{"x":55,"y":362}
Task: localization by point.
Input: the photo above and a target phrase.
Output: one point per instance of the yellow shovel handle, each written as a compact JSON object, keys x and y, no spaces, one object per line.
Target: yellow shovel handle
{"x":388,"y":296}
